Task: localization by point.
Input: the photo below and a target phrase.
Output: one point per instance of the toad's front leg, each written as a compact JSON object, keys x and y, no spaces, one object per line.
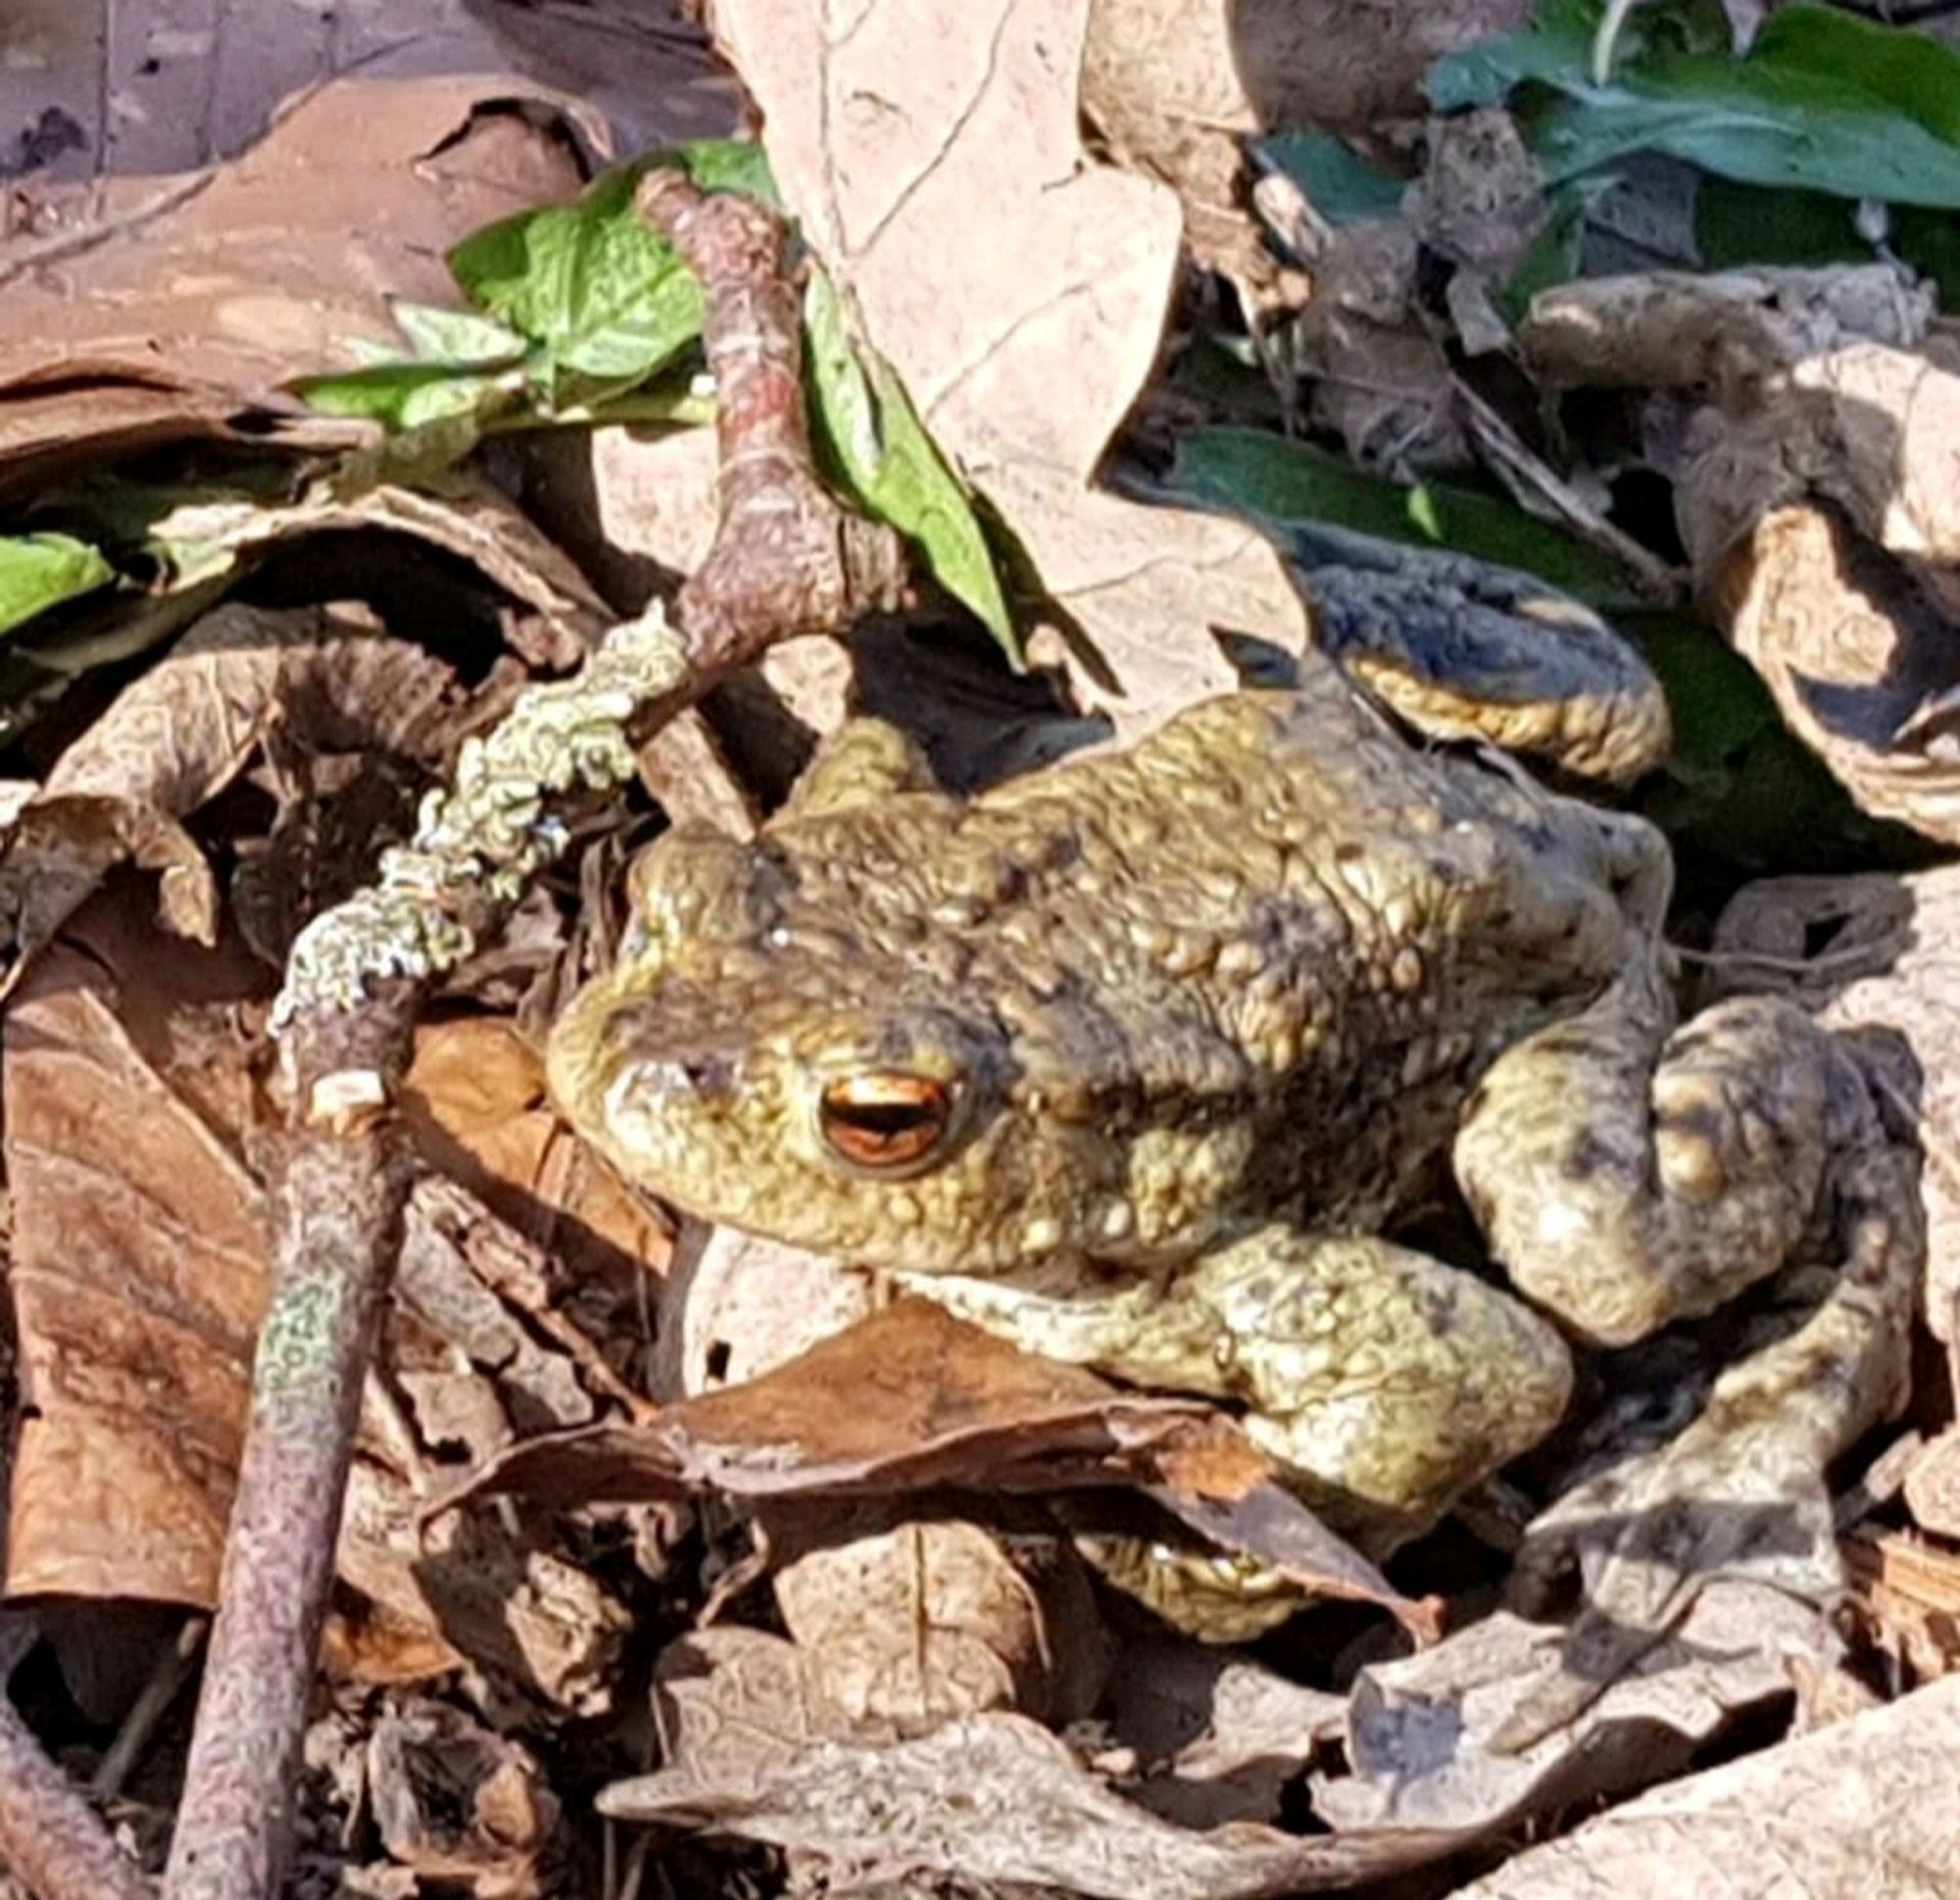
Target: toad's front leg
{"x":1385,"y":1383}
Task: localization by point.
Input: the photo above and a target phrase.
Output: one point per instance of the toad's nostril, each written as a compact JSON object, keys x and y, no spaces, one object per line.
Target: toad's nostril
{"x":706,"y":1075}
{"x":673,"y":1078}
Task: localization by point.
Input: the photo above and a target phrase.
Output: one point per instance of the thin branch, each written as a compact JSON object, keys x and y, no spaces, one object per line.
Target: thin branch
{"x":51,"y":1838}
{"x":786,"y":560}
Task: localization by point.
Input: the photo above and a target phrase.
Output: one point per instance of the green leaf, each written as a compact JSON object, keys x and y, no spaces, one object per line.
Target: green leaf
{"x":1555,"y":47}
{"x":1251,"y":471}
{"x":1341,"y":186}
{"x":1823,"y":102}
{"x":1905,"y":71}
{"x":1742,"y":225}
{"x":883,"y":458}
{"x":589,"y":283}
{"x":1737,"y":224}
{"x":455,"y":336}
{"x":38,"y":571}
{"x":730,"y":165}
{"x":1558,"y":253}
{"x":406,"y":395}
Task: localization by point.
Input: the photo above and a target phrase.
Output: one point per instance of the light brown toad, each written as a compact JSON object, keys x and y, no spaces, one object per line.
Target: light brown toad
{"x":1131,"y":1059}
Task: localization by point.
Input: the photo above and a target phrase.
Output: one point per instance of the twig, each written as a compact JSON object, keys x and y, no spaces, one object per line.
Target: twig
{"x":55,"y":1842}
{"x":172,"y":1672}
{"x":1542,"y":491}
{"x":786,"y":560}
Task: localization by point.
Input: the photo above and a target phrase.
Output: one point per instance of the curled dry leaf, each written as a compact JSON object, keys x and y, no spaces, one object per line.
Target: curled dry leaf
{"x":1723,"y":332}
{"x":60,"y":420}
{"x":180,"y":733}
{"x":1859,"y":1811}
{"x":934,"y":160}
{"x":1820,"y":501}
{"x":456,"y":511}
{"x":757,"y":1751}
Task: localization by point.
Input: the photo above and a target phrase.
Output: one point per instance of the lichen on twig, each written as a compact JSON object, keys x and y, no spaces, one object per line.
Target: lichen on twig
{"x":480,"y":841}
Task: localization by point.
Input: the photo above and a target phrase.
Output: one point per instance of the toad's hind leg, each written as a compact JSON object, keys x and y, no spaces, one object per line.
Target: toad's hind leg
{"x":1385,"y":1383}
{"x":1628,"y":1174}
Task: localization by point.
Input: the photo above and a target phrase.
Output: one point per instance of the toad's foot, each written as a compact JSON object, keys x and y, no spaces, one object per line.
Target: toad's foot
{"x":1742,"y":1492}
{"x":1385,"y":1383}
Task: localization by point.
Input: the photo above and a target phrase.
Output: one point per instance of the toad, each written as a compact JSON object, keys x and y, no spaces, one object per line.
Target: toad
{"x":1133,"y":1059}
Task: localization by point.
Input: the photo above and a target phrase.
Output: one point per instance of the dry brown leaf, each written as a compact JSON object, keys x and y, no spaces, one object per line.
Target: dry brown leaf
{"x":1909,"y":1591}
{"x":920,"y":1622}
{"x":474,"y":1099}
{"x":138,"y":96}
{"x":756,"y":1750}
{"x":274,"y":264}
{"x":910,"y":1398}
{"x":137,"y":1271}
{"x":934,"y":160}
{"x":60,"y":420}
{"x":185,"y":730}
{"x":1820,"y":501}
{"x":1173,"y":87}
{"x":540,"y":1633}
{"x":913,"y":1400}
{"x":1720,"y":331}
{"x":1375,"y":372}
{"x":1160,"y":85}
{"x":1862,"y":1810}
{"x":481,"y":1336}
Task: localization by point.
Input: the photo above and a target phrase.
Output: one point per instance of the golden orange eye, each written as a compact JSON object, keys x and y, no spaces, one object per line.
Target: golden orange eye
{"x":885,"y":1119}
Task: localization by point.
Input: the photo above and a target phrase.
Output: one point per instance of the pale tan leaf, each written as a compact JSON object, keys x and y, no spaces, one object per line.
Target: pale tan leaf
{"x":934,"y":158}
{"x":918,"y":1623}
{"x":757,"y":1751}
{"x":1420,"y":1729}
{"x":1859,"y":1811}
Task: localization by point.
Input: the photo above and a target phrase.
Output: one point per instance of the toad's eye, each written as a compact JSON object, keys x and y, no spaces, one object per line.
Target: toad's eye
{"x":885,"y":1119}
